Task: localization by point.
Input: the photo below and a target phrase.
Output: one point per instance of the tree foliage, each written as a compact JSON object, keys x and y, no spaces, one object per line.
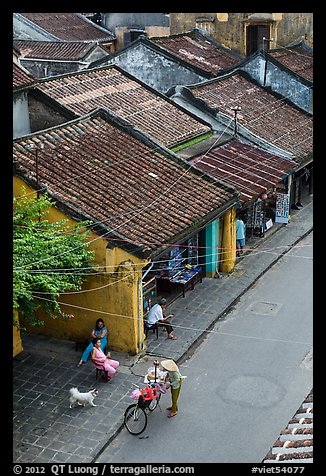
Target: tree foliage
{"x":48,"y":258}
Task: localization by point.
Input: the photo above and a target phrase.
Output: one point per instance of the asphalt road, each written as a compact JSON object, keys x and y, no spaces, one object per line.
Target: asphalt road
{"x":245,"y":381}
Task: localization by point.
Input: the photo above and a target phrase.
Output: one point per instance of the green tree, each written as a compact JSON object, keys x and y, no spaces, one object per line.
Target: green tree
{"x":48,"y":258}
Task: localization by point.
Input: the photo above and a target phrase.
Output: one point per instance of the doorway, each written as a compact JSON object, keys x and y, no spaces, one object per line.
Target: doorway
{"x":254,"y":38}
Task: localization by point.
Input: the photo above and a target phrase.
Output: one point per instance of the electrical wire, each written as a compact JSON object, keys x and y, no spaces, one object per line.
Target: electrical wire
{"x":192,"y":329}
{"x":154,"y":200}
{"x":220,"y":250}
{"x":132,"y":274}
{"x":138,"y":213}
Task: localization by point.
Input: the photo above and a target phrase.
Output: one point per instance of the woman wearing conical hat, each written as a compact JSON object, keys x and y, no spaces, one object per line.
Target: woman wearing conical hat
{"x":174,"y":379}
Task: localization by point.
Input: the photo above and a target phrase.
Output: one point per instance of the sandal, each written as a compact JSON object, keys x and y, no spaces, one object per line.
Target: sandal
{"x":168,"y":408}
{"x":172,"y":337}
{"x":80,"y":364}
{"x":170,"y":415}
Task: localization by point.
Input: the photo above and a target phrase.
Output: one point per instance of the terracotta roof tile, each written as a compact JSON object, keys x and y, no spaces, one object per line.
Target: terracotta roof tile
{"x":110,"y":88}
{"x":21,"y":77}
{"x":104,"y":172}
{"x":262,"y":113}
{"x":69,"y":26}
{"x":193,"y":48}
{"x":297,"y":59}
{"x":53,"y":50}
{"x":295,"y":443}
{"x":247,"y":168}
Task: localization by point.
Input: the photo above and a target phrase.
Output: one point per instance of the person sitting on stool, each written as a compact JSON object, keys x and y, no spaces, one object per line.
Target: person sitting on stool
{"x":156,"y":316}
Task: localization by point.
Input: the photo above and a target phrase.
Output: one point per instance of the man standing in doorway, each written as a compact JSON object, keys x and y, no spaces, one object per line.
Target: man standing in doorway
{"x":240,"y":235}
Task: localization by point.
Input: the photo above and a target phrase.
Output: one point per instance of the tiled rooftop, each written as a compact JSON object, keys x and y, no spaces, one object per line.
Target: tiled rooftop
{"x":119,"y":179}
{"x":111,"y":88}
{"x":249,"y":169}
{"x":195,"y":49}
{"x":21,"y":78}
{"x":262,"y":113}
{"x":295,"y":443}
{"x":53,"y":50}
{"x":69,"y":26}
{"x":297,"y":59}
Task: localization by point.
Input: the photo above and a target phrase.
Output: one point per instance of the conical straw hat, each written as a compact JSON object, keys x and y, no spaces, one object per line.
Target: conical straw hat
{"x":169,"y":365}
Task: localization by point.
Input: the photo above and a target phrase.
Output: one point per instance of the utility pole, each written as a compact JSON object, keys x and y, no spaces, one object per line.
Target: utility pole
{"x":235,"y":109}
{"x":265,"y":55}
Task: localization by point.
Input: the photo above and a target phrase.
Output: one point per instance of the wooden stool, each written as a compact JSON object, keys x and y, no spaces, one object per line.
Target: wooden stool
{"x":102,"y":372}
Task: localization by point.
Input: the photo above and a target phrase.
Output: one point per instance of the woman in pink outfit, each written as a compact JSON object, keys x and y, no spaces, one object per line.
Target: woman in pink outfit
{"x":100,"y":359}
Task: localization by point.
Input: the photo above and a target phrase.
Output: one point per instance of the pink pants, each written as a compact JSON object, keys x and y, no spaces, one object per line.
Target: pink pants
{"x":110,"y":366}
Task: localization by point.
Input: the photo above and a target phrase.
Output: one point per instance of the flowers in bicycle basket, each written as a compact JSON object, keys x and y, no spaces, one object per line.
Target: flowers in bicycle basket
{"x":135,"y":393}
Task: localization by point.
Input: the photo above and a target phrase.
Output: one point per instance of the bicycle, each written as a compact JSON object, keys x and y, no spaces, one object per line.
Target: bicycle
{"x":135,"y":416}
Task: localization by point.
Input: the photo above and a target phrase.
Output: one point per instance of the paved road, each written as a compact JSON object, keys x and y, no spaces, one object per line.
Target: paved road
{"x":244,"y":382}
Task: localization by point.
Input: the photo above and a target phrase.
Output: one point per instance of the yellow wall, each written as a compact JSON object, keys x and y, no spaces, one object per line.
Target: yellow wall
{"x":17,"y":342}
{"x":111,"y":295}
{"x":229,"y":29}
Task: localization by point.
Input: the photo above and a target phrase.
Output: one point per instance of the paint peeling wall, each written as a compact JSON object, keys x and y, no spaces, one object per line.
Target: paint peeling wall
{"x":230,"y":30}
{"x":21,"y":124}
{"x":154,"y":69}
{"x":280,"y":81}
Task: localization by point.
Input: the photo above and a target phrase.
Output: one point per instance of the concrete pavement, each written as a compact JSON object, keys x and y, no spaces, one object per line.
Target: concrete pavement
{"x":47,"y":431}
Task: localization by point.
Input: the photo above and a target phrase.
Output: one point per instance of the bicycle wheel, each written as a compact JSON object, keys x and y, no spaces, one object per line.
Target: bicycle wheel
{"x":153,"y":403}
{"x":135,"y":419}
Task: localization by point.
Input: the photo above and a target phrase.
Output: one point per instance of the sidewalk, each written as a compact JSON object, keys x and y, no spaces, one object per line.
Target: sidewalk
{"x":45,"y":430}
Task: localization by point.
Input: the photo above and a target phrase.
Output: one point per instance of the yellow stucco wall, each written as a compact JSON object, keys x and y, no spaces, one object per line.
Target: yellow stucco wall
{"x":112,"y":295}
{"x":229,"y":29}
{"x":17,"y":341}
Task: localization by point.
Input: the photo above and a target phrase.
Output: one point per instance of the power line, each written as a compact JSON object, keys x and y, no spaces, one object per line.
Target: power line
{"x":132,"y":273}
{"x":219,"y":249}
{"x":138,"y":213}
{"x":187,"y":328}
{"x":141,"y":209}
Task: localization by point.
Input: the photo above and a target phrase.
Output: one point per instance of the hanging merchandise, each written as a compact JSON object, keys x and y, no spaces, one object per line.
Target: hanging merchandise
{"x":259,"y":214}
{"x":282,"y":207}
{"x":193,"y":250}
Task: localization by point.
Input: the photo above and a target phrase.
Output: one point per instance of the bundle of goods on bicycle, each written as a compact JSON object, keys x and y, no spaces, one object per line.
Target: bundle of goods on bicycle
{"x":150,"y":376}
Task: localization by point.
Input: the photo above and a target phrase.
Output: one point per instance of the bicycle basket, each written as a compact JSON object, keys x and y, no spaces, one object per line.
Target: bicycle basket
{"x":149,"y":393}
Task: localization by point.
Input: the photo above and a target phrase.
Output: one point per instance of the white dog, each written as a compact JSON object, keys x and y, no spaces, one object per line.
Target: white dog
{"x":82,"y":398}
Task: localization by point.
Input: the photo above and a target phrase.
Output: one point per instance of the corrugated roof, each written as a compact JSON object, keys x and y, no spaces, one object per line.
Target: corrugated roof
{"x":111,"y":88}
{"x":295,"y":443}
{"x":193,"y":48}
{"x":263,"y":113}
{"x":112,"y":175}
{"x":53,"y":50}
{"x":250,"y":169}
{"x":69,"y":26}
{"x":21,"y":78}
{"x":297,"y":59}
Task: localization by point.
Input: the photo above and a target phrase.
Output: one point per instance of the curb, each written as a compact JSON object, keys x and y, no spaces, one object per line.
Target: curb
{"x":188,"y":353}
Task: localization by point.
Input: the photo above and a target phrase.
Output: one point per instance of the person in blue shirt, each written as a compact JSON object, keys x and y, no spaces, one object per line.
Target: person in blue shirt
{"x":240,"y":235}
{"x":100,"y":331}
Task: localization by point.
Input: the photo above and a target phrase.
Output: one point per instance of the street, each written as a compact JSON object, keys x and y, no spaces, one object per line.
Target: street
{"x":244,"y":382}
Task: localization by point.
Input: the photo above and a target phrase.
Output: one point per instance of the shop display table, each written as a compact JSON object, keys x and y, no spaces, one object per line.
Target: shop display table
{"x":186,"y":278}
